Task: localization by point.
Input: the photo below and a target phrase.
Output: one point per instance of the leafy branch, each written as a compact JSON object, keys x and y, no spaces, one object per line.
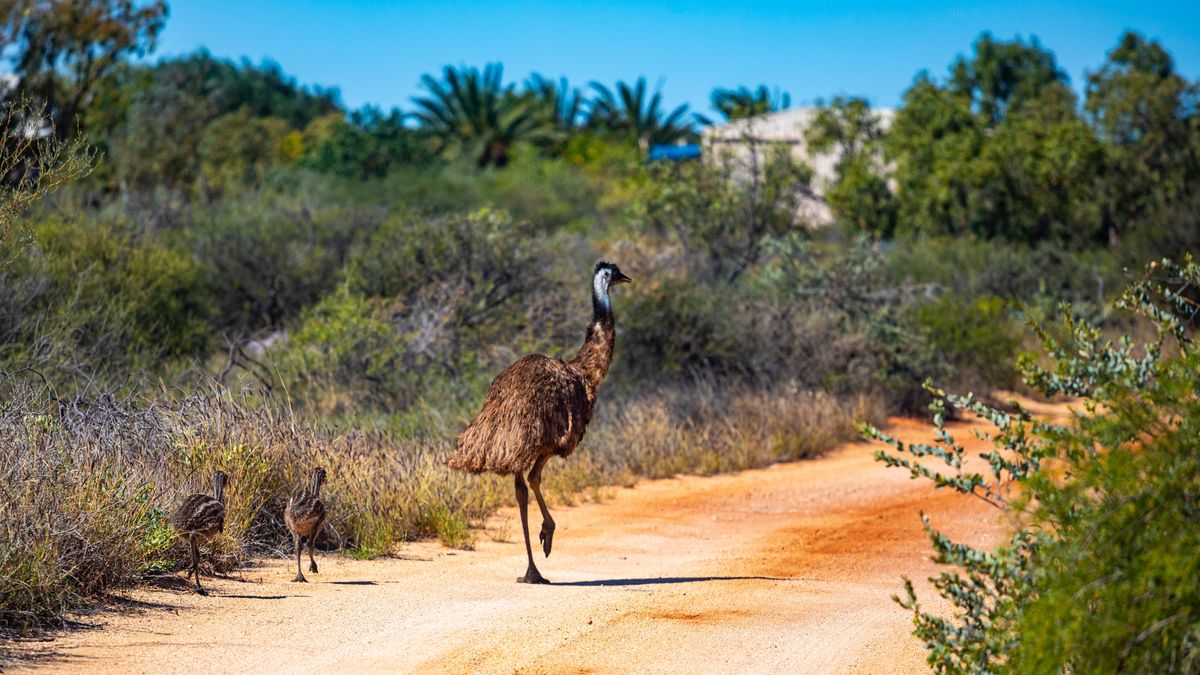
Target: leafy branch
{"x":33,"y":163}
{"x":1138,"y":405}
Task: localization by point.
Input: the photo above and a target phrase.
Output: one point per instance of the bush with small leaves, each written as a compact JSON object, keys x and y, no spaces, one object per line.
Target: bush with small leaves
{"x":1101,"y":574}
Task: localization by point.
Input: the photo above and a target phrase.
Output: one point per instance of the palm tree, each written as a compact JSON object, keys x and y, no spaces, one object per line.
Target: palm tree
{"x":560,"y":101}
{"x":560,"y":105}
{"x":742,"y":103}
{"x":478,"y":112}
{"x":629,"y":111}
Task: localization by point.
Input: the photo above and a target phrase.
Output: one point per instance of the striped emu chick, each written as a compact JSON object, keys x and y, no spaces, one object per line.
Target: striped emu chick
{"x":538,"y":408}
{"x":199,"y":519}
{"x":305,"y":517}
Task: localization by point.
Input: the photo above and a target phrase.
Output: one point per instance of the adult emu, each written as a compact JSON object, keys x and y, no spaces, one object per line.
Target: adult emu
{"x":539,"y":407}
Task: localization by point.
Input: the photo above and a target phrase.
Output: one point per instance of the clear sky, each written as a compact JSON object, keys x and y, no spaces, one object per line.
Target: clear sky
{"x":375,"y":51}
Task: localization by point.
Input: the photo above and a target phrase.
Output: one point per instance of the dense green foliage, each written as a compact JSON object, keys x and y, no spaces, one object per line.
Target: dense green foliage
{"x":859,"y":196}
{"x":1101,"y":575}
{"x":32,"y":167}
{"x":974,"y":154}
{"x":66,"y":52}
{"x":1002,"y":149}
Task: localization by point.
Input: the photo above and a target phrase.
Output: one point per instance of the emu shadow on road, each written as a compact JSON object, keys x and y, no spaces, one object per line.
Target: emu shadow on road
{"x":663,"y":580}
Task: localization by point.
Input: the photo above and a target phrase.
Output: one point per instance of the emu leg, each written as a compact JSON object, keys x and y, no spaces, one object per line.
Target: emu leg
{"x":532,"y":576}
{"x":312,"y":543}
{"x":196,"y":564}
{"x":299,"y":574}
{"x":546,"y":536}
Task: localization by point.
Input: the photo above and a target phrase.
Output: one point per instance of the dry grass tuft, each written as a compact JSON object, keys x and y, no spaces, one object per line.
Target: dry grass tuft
{"x":705,"y":429}
{"x":86,"y":488}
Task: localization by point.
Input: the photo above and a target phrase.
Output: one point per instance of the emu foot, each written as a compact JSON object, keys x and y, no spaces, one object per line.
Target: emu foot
{"x":546,"y":536}
{"x":300,"y":579}
{"x":201,"y":591}
{"x":312,"y":566}
{"x":532,"y":576}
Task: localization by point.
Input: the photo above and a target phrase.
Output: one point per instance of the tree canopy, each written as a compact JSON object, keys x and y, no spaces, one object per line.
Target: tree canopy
{"x":64,"y":51}
{"x":1001,"y":147}
{"x":743,"y":103}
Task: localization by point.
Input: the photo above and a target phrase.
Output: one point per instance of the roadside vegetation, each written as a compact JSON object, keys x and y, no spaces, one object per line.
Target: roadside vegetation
{"x":1100,"y":575}
{"x":237,"y":272}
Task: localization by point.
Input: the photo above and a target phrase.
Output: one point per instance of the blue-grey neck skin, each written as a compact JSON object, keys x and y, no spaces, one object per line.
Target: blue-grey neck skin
{"x":601,"y":306}
{"x":219,"y":487}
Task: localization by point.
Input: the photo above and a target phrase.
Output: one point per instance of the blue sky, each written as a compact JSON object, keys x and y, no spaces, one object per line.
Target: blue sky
{"x":375,"y":51}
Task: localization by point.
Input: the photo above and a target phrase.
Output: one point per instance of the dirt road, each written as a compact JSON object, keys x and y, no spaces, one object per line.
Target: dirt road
{"x":787,"y":569}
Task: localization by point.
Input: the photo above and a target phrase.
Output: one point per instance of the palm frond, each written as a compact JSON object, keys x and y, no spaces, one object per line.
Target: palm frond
{"x":474,"y":110}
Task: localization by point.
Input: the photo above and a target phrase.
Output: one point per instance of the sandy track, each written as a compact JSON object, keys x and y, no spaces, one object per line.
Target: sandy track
{"x":787,"y":569}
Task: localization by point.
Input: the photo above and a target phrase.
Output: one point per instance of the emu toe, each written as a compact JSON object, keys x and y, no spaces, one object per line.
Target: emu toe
{"x":532,"y":577}
{"x":546,"y":536}
{"x":299,"y":579}
{"x":312,"y":566}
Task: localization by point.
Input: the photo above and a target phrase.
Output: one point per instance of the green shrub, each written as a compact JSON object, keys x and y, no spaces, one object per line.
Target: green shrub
{"x":348,"y":350}
{"x":977,"y":338}
{"x":723,"y":214}
{"x":269,"y":254}
{"x":1040,"y":276}
{"x":426,"y":301}
{"x":1101,"y":575}
{"x":368,"y":145}
{"x":92,"y":297}
{"x":549,"y":194}
{"x":451,"y":528}
{"x":831,"y":318}
{"x":237,"y":150}
{"x":1115,"y":587}
{"x":672,"y":326}
{"x":485,"y":255}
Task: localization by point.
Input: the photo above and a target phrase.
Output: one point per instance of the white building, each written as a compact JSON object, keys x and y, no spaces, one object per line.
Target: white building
{"x":746,"y":141}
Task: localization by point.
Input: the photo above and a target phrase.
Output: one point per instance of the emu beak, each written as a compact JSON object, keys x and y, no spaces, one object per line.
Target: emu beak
{"x":620,"y":279}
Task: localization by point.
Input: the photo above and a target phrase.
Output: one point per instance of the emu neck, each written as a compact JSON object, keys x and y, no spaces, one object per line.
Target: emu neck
{"x":219,"y":490}
{"x":601,"y":305}
{"x":316,"y":486}
{"x":594,"y":357}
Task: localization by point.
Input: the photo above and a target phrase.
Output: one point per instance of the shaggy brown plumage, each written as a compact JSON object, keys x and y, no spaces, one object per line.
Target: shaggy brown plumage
{"x":540,"y":407}
{"x":200,"y":518}
{"x":305,"y":517}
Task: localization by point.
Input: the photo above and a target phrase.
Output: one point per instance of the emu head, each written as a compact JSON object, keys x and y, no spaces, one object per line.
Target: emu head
{"x":219,"y":482}
{"x":604,"y":276}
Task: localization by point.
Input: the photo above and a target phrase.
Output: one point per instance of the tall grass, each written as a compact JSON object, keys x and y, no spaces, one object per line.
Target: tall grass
{"x":704,"y":428}
{"x":87,"y":485}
